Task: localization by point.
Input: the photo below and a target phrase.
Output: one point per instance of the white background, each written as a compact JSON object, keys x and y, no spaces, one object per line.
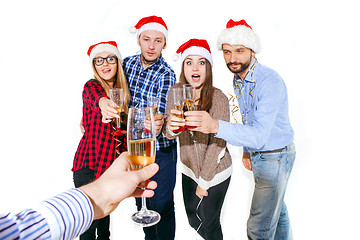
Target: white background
{"x":314,"y":45}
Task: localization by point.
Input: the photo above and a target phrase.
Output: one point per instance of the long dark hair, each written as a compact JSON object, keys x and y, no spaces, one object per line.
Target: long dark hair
{"x":207,"y":91}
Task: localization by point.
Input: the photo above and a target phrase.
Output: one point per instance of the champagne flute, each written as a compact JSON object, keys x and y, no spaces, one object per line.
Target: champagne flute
{"x":154,"y":103}
{"x":179,"y":104}
{"x":116,"y":96}
{"x":141,"y":140}
{"x":189,"y":99}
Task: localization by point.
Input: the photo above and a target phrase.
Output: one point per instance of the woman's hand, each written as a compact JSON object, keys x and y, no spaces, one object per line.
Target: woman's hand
{"x":176,"y":120}
{"x":201,"y":192}
{"x":108,"y":112}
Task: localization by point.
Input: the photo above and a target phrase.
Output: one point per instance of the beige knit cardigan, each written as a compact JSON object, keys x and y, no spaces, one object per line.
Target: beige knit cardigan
{"x":204,"y":157}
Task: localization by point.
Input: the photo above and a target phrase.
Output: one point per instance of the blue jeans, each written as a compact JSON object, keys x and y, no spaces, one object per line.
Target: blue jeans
{"x":163,"y":200}
{"x":268,"y":214}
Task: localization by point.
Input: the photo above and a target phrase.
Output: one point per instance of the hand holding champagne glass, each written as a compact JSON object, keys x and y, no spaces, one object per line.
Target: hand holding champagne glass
{"x":141,"y":140}
{"x":178,"y":95}
{"x":189,"y":100}
{"x":116,"y":96}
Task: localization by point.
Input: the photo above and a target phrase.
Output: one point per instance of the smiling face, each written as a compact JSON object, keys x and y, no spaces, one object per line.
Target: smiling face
{"x":195,"y":70}
{"x":106,"y":71}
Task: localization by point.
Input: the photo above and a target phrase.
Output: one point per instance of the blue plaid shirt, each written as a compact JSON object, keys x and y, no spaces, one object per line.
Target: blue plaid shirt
{"x":154,"y":81}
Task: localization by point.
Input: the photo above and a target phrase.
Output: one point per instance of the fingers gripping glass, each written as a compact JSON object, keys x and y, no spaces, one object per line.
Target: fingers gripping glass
{"x":98,"y":61}
{"x":189,"y":100}
{"x":178,"y":95}
{"x":116,"y":96}
{"x":141,"y":139}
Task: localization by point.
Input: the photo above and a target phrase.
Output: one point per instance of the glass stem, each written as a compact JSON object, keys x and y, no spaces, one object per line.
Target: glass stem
{"x":143,"y":204}
{"x":118,"y":122}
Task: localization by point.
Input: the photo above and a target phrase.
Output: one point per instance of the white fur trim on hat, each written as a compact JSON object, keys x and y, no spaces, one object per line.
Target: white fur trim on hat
{"x":239,"y":35}
{"x":194,"y":50}
{"x":105,"y":47}
{"x":153,"y":26}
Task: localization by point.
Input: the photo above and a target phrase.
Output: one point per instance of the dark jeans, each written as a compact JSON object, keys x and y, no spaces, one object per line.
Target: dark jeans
{"x":163,"y":200}
{"x":209,"y":209}
{"x":82,"y":177}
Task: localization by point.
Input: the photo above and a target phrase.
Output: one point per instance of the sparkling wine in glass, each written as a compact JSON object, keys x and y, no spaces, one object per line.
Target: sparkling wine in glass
{"x":189,"y":99}
{"x":141,"y":140}
{"x":116,"y":96}
{"x":154,"y":103}
{"x":178,"y":95}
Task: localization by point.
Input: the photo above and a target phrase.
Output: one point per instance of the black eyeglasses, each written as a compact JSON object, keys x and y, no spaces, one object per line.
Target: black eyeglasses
{"x":100,"y":60}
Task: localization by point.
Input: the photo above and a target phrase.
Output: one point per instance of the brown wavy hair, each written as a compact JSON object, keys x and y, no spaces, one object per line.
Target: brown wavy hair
{"x":207,"y":91}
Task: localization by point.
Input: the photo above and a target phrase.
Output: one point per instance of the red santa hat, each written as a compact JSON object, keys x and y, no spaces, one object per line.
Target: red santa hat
{"x":150,"y":23}
{"x":110,"y":47}
{"x":195,"y":47}
{"x":239,"y":33}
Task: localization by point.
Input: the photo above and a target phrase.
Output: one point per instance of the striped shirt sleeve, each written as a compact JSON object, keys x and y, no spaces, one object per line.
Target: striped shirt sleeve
{"x":64,"y":216}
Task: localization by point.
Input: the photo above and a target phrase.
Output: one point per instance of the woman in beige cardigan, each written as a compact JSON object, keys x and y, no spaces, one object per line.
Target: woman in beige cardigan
{"x":206,"y":161}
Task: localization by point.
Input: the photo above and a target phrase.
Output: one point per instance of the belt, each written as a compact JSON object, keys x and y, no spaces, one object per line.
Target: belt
{"x":273,"y":151}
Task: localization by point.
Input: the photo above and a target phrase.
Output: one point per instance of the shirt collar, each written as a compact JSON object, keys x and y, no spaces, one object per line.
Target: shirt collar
{"x":248,"y":77}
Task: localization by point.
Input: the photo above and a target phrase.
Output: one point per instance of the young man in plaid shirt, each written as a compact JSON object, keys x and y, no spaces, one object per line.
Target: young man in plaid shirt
{"x":150,"y":76}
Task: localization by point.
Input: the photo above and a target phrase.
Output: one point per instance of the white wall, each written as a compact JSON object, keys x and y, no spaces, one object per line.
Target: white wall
{"x":314,"y":45}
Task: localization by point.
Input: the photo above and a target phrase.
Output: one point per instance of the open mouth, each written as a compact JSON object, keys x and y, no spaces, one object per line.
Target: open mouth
{"x":195,"y":77}
{"x":106,"y":70}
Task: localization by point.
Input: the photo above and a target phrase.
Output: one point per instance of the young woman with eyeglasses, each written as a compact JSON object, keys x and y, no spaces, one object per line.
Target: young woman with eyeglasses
{"x":99,"y":146}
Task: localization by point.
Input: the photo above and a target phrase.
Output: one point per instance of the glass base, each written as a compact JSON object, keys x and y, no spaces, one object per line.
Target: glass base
{"x":146,"y":218}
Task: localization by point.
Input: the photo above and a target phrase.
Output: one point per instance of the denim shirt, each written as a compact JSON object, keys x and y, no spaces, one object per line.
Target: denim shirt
{"x":263,"y":103}
{"x":154,"y":81}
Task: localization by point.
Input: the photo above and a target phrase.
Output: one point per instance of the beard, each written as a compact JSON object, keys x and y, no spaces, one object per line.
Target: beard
{"x":243,"y":66}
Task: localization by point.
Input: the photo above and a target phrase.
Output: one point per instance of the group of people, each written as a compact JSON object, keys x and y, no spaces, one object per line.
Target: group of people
{"x":264,"y":133}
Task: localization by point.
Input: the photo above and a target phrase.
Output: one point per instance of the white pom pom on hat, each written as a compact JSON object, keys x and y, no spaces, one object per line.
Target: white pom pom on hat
{"x":150,"y":23}
{"x":239,"y":33}
{"x":194,"y":47}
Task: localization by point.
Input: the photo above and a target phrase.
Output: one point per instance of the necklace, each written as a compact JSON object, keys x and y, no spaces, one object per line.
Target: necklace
{"x":233,"y":106}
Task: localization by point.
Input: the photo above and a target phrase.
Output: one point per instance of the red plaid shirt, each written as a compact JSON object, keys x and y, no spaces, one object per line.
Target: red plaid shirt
{"x":97,"y":148}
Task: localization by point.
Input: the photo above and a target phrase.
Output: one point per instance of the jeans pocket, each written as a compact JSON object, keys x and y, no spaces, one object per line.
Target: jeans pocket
{"x":266,"y":168}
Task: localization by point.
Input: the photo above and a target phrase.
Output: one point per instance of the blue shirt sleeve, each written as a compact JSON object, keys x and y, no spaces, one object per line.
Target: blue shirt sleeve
{"x":269,"y":99}
{"x":63,"y":216}
{"x":167,"y":80}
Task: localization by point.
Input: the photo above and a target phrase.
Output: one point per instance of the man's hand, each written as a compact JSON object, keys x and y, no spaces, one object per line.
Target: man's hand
{"x":202,"y":120}
{"x":159,"y":121}
{"x":117,"y":183}
{"x":246,"y":161}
